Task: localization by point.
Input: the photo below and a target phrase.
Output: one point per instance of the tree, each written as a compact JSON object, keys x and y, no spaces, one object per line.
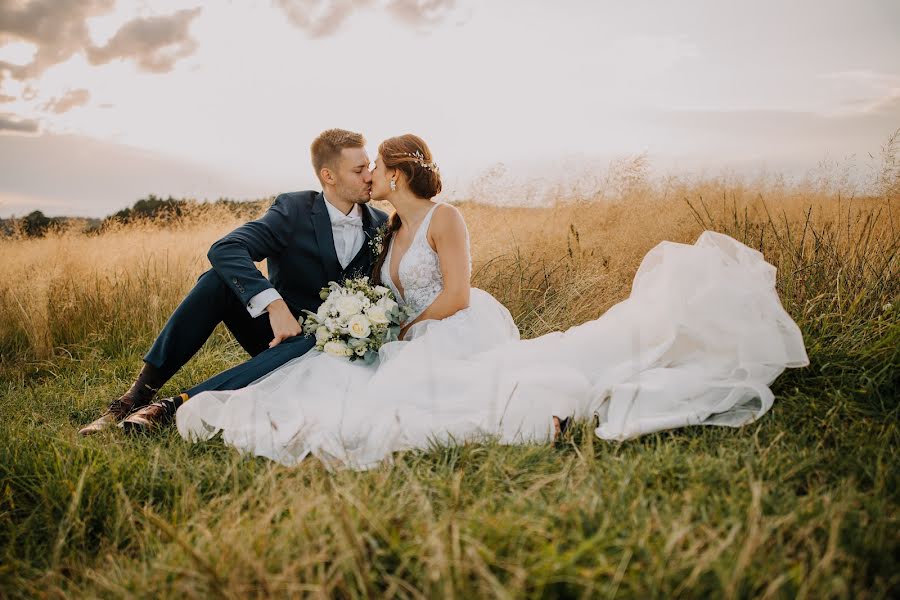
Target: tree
{"x":36,"y":224}
{"x":152,"y":207}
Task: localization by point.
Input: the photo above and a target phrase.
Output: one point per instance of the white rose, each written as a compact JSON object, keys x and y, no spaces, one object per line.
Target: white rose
{"x":359,"y":326}
{"x":337,"y":349}
{"x":386,"y":304}
{"x":377,"y":315}
{"x":348,"y":306}
{"x":322,"y":333}
{"x":381,"y":290}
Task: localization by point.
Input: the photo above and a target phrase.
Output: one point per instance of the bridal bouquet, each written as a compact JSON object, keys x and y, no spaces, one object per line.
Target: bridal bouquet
{"x":355,"y":319}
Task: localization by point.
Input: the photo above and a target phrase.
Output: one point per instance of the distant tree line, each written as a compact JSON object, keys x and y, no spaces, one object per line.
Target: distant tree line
{"x":152,"y":208}
{"x":37,"y":224}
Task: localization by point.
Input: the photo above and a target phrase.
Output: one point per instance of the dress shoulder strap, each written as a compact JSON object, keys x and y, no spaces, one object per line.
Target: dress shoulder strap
{"x":423,"y":228}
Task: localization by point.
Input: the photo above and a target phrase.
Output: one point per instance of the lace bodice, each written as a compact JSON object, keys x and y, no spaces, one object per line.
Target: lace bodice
{"x":419,"y":270}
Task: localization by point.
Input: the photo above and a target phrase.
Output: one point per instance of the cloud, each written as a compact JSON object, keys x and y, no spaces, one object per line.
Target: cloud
{"x":888,"y":103}
{"x":154,"y":43}
{"x":79,"y":175}
{"x":862,"y":76}
{"x":321,"y":18}
{"x":9,"y":123}
{"x":71,"y":99}
{"x":876,"y":92}
{"x":775,"y":134}
{"x":420,"y":12}
{"x":59,"y":30}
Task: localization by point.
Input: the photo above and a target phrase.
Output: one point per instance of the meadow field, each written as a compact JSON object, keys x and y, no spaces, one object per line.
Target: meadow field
{"x":801,"y":504}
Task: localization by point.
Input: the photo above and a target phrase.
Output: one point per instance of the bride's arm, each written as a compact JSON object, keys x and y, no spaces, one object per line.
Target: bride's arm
{"x":448,"y":232}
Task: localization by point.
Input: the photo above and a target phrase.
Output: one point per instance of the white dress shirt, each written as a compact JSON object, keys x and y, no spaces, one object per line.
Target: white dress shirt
{"x":347,"y":232}
{"x":348,"y":239}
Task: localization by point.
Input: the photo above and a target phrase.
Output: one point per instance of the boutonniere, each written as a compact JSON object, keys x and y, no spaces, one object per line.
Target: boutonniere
{"x":376,"y":243}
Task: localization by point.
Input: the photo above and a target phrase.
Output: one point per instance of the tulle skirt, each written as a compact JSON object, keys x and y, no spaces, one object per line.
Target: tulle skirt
{"x":698,"y":342}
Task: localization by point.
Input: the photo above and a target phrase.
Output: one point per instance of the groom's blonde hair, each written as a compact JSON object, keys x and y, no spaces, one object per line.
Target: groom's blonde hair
{"x":326,"y":148}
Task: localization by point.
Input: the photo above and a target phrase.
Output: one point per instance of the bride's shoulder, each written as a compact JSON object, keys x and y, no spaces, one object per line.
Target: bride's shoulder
{"x":447,"y":221}
{"x":447,"y":215}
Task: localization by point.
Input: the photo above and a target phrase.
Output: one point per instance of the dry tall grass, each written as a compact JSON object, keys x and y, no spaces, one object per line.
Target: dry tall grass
{"x":553,"y":267}
{"x":68,"y":288}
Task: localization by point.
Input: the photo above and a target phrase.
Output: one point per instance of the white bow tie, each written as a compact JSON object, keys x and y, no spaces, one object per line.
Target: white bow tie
{"x":346,"y":221}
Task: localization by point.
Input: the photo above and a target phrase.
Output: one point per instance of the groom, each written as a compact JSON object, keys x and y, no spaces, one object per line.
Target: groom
{"x":308,"y":239}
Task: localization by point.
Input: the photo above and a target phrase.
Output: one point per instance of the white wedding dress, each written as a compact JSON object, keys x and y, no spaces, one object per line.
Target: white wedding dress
{"x":698,"y":342}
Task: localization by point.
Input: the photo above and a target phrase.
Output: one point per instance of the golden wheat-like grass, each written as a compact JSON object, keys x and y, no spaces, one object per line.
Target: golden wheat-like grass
{"x":552,"y":266}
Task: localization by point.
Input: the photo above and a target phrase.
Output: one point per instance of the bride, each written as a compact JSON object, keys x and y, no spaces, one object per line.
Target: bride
{"x":698,"y":342}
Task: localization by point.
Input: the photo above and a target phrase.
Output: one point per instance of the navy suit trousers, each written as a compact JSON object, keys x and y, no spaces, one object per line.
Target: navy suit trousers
{"x":209,"y":303}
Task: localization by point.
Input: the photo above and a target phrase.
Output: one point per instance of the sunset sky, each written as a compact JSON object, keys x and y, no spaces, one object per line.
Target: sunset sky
{"x":105,"y":101}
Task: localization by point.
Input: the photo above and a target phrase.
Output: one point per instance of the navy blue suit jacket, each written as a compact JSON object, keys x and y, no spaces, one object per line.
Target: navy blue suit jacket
{"x":295,"y":238}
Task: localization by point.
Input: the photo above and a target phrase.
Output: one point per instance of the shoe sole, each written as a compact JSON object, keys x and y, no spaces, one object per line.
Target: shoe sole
{"x":94,"y":429}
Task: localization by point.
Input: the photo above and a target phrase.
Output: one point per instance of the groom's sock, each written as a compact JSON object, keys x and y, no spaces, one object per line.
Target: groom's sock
{"x":144,"y":388}
{"x":170,"y":405}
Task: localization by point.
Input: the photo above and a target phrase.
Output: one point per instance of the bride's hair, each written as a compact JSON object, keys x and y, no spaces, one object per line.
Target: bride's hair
{"x":410,"y":154}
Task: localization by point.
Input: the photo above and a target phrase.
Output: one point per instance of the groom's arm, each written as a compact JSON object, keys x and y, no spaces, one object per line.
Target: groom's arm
{"x":234,"y":255}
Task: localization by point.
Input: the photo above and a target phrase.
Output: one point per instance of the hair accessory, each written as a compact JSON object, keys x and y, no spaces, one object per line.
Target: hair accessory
{"x":420,"y":160}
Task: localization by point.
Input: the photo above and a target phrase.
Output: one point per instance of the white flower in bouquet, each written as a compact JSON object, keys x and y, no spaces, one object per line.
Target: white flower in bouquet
{"x":337,"y":348}
{"x":386,"y":304}
{"x":359,"y":326}
{"x":322,"y":313}
{"x":377,"y":315}
{"x":348,"y":306}
{"x":381,"y":290}
{"x":323,"y":334}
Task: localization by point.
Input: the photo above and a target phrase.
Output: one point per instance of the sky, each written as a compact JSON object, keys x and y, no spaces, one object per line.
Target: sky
{"x":105,"y":101}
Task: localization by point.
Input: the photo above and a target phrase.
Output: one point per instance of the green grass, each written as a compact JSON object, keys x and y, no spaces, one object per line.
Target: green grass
{"x":803,"y":503}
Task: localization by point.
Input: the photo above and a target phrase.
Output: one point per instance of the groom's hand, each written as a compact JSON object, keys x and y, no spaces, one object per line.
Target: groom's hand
{"x":284,"y":324}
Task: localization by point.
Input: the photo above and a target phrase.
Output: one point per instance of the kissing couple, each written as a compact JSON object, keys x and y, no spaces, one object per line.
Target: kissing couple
{"x":699,"y":340}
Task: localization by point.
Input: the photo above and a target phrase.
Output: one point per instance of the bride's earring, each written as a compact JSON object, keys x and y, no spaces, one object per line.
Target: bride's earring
{"x":393,"y":185}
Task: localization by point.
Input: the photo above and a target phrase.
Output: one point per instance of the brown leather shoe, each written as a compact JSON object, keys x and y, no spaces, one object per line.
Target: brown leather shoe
{"x":141,"y":393}
{"x":118,"y":409}
{"x":152,"y":417}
